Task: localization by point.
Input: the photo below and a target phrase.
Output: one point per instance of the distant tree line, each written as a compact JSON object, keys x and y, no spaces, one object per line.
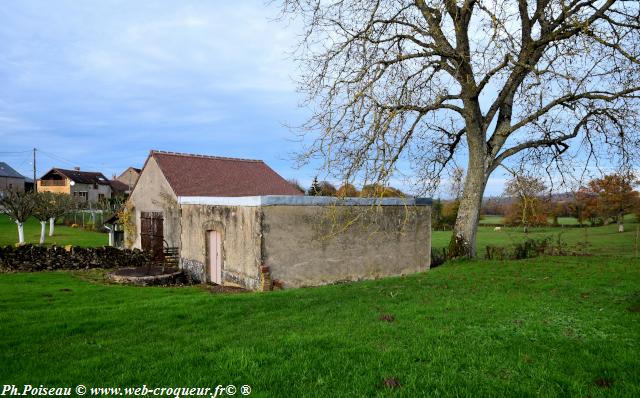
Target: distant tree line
{"x":527,"y":203}
{"x":346,"y":190}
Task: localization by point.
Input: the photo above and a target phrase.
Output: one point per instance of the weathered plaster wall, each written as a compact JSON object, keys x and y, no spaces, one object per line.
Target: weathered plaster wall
{"x":241,"y":242}
{"x":303,"y":245}
{"x":153,"y":193}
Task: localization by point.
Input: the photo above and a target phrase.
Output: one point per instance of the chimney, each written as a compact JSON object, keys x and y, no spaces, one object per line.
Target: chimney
{"x":76,"y":168}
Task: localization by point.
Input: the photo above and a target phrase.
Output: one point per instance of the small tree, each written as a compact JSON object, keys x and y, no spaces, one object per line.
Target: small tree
{"x":583,"y":206}
{"x":528,"y":206}
{"x":347,"y":191}
{"x":61,"y":204}
{"x":18,"y":206}
{"x":315,"y":187}
{"x":43,"y":210}
{"x":615,"y":195}
{"x":322,"y":188}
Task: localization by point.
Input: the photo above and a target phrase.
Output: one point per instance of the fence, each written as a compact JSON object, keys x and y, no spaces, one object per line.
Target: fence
{"x":88,"y":219}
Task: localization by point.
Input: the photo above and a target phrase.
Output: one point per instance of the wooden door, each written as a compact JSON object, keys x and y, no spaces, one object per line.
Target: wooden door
{"x":214,"y":244}
{"x":151,"y":233}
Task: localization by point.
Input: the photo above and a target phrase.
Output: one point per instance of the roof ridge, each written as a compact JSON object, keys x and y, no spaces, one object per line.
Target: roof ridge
{"x":195,"y":155}
{"x":78,"y":171}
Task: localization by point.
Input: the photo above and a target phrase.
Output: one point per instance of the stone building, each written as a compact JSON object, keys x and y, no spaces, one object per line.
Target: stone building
{"x":237,"y":222}
{"x":10,"y":179}
{"x":129,"y":177}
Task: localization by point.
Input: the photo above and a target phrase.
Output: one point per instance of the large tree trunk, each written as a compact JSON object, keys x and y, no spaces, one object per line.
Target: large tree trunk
{"x":52,"y":223}
{"x":463,"y":241}
{"x":20,"y":232}
{"x":43,"y":229}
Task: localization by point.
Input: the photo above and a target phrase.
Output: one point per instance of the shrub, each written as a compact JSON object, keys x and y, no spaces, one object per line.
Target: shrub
{"x":438,"y":256}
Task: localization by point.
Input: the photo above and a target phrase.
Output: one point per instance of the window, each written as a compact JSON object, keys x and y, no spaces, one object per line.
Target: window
{"x":100,"y":196}
{"x":84,"y":196}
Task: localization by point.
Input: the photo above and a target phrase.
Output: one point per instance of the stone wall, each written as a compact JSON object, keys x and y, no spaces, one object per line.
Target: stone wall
{"x":316,"y":245}
{"x":28,"y":258}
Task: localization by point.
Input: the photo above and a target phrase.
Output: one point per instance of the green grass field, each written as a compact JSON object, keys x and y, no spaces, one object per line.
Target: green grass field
{"x":495,"y":219}
{"x":542,"y":327}
{"x":62,"y":236}
{"x":605,"y":240}
{"x":552,"y":326}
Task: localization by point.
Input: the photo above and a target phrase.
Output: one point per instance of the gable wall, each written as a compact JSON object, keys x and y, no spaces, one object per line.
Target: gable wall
{"x":153,"y":193}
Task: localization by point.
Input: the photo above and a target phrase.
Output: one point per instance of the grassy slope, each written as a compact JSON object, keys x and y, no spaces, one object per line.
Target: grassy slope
{"x":62,"y":236}
{"x":551,"y":326}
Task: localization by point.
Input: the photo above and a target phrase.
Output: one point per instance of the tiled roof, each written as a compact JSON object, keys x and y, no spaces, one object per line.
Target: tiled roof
{"x":118,"y":186}
{"x":81,"y":177}
{"x":8,"y":171}
{"x":199,"y":175}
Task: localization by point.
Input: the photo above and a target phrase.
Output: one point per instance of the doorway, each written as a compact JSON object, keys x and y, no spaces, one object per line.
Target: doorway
{"x":151,"y":233}
{"x":214,"y":250}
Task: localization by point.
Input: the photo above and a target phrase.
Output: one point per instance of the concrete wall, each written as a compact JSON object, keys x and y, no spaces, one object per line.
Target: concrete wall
{"x":241,"y":242}
{"x":153,"y":193}
{"x":305,"y":245}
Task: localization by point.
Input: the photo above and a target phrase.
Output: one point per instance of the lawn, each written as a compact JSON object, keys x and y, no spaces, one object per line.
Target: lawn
{"x":605,"y":240}
{"x":63,"y":235}
{"x":543,"y":327}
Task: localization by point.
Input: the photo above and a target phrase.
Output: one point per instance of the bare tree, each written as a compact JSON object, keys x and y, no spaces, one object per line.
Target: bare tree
{"x":527,"y":191}
{"x":427,"y":82}
{"x":43,"y":211}
{"x":18,"y":206}
{"x":61,"y":204}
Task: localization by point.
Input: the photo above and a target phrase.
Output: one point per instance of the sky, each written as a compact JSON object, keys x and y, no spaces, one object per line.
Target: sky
{"x":99,"y":84}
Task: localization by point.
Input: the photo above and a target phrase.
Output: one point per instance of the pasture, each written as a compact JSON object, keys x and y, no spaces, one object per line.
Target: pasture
{"x":562,"y":326}
{"x":604,"y":241}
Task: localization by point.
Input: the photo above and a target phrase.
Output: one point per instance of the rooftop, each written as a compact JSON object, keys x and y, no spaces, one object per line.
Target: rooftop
{"x":216,"y":176}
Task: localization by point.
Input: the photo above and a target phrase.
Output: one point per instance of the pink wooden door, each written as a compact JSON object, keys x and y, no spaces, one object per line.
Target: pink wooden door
{"x":215,"y":258}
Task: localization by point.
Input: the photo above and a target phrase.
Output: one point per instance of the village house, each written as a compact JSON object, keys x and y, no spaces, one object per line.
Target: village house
{"x":10,"y":179}
{"x":85,"y":186}
{"x":237,"y":222}
{"x":128,"y":178}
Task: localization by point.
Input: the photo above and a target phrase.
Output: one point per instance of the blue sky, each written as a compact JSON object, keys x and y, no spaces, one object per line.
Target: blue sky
{"x":99,"y":84}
